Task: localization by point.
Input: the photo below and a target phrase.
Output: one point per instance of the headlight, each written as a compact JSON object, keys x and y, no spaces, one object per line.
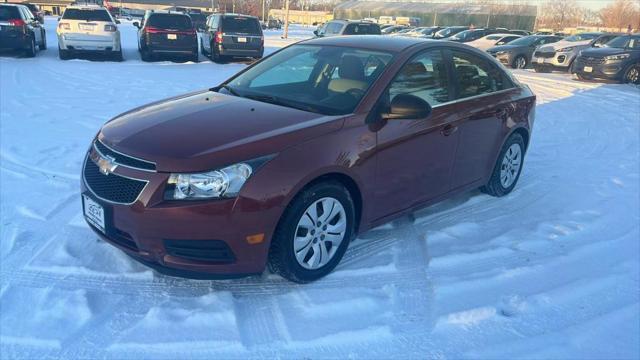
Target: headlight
{"x":501,"y":53}
{"x":222,"y":183}
{"x":567,"y":49}
{"x":617,"y":57}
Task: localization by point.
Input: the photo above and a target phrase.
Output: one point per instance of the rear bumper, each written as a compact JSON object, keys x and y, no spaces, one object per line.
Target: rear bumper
{"x":241,"y":52}
{"x":82,"y":42}
{"x":14,"y":40}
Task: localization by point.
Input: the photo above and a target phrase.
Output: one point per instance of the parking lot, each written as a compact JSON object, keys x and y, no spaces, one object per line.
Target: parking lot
{"x":550,"y":270}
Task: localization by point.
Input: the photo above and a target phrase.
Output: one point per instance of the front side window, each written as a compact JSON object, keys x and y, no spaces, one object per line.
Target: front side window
{"x":87,"y":15}
{"x":476,"y":76}
{"x":333,"y":28}
{"x":324,"y":79}
{"x":425,"y":76}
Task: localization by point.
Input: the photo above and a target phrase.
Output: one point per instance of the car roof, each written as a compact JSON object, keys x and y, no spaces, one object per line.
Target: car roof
{"x":369,"y":42}
{"x":87,"y":7}
{"x":236,"y":15}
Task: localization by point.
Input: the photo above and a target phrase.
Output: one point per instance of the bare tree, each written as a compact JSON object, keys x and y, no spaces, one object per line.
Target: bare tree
{"x":558,"y":14}
{"x":620,"y":14}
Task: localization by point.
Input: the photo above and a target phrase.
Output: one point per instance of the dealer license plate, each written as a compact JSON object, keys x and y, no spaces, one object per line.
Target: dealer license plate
{"x":86,"y":27}
{"x":242,"y":39}
{"x":540,"y":60}
{"x":588,"y":69}
{"x":94,"y":213}
{"x":172,"y":36}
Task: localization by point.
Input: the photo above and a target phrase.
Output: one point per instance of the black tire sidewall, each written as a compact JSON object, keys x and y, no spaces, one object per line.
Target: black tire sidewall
{"x":515,"y":62}
{"x":625,"y":78}
{"x":495,"y":185}
{"x":282,"y":253}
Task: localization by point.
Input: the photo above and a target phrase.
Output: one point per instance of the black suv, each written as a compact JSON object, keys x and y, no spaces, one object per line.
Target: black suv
{"x":168,"y":34}
{"x":347,"y":27}
{"x":19,"y":30}
{"x":232,"y":35}
{"x":471,"y":35}
{"x":619,"y":60}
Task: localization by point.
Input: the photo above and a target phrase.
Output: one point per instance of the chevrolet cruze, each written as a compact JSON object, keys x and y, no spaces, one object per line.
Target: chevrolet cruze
{"x":284,"y":163}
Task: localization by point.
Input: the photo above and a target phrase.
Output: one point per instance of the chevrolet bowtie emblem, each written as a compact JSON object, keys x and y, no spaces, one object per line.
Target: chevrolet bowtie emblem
{"x":107,"y":164}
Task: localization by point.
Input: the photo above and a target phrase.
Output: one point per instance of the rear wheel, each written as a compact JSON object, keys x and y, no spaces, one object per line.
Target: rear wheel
{"x":632,"y":75}
{"x":195,"y":57}
{"x":145,"y":55}
{"x":508,"y":167}
{"x":31,"y":50}
{"x":313,"y":233}
{"x":117,"y":55}
{"x":63,"y":54}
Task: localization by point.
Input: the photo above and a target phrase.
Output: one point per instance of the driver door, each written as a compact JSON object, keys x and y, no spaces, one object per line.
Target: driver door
{"x":415,"y":156}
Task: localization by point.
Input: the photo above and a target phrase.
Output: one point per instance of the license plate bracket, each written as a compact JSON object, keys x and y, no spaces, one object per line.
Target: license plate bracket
{"x":588,"y":69}
{"x":172,"y":36}
{"x":94,"y":213}
{"x":242,"y":39}
{"x":540,"y":60}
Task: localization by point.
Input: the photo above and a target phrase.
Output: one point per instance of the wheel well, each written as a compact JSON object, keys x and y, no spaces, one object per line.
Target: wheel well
{"x":525,"y":136}
{"x":351,"y":186}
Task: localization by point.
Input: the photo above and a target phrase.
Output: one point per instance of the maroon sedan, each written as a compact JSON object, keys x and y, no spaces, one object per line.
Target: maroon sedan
{"x":284,"y":163}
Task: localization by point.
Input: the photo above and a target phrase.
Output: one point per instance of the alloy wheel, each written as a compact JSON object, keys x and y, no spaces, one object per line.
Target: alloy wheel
{"x":521,"y":63}
{"x":510,"y":166}
{"x":633,"y":75}
{"x":319,"y":232}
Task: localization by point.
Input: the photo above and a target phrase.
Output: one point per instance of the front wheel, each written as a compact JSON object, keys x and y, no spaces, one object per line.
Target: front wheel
{"x":632,"y":75}
{"x":520,"y":62}
{"x":43,"y":44}
{"x":508,"y":167}
{"x":313,"y":233}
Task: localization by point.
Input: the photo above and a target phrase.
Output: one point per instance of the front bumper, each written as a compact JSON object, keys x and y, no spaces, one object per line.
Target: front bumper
{"x":85,"y":42}
{"x":606,"y":70}
{"x":149,"y":228}
{"x":504,"y":58}
{"x":555,"y":60}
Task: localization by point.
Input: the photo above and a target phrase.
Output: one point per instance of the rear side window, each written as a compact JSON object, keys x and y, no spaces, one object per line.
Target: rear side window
{"x":87,"y":15}
{"x":170,"y":21}
{"x":9,"y":12}
{"x":476,"y":76}
{"x":362,"y":29}
{"x":333,"y":28}
{"x":240,"y":24}
{"x":425,"y":76}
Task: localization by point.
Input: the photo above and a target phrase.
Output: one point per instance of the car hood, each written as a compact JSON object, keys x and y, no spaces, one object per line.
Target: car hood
{"x":204,"y":130}
{"x":602,"y":52}
{"x":564,"y":44}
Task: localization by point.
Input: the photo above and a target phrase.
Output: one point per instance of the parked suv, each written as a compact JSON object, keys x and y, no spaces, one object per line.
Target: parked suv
{"x":560,"y":55}
{"x":35,"y":10}
{"x":287,"y":161}
{"x":232,"y":35}
{"x":164,"y":33}
{"x":618,"y":59}
{"x":88,"y":29}
{"x":19,"y":30}
{"x":471,"y":35}
{"x":348,"y":27}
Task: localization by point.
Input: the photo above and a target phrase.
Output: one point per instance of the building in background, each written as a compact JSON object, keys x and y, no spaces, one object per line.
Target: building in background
{"x":56,"y":7}
{"x":301,"y":17}
{"x":478,"y":14}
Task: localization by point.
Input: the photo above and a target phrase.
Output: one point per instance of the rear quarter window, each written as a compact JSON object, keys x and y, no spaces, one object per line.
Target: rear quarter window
{"x":240,"y":24}
{"x":87,"y":15}
{"x":9,"y":12}
{"x":170,"y":21}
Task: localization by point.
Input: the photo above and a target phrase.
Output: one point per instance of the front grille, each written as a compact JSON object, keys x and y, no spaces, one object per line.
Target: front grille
{"x":123,"y":239}
{"x":545,"y":55}
{"x":591,"y":61}
{"x":124,"y":159}
{"x":216,"y":251}
{"x":111,"y":187}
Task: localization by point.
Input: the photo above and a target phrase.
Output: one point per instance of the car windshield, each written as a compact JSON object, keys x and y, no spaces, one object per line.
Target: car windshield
{"x":170,"y":21}
{"x":462,"y":35}
{"x":524,"y":41}
{"x":328,"y":80}
{"x":624,"y":42}
{"x":580,"y":37}
{"x":240,"y":24}
{"x":87,"y":15}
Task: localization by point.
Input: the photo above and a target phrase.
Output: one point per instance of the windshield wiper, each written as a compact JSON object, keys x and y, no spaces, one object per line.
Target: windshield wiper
{"x":277,"y":101}
{"x":231,"y":90}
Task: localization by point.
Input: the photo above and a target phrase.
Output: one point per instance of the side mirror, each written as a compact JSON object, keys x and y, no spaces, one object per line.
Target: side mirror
{"x":117,"y":21}
{"x":136,"y":24}
{"x":315,"y":32}
{"x":406,"y":106}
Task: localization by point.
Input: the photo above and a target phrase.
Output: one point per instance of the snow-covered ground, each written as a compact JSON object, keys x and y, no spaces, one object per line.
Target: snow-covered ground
{"x":550,"y":271}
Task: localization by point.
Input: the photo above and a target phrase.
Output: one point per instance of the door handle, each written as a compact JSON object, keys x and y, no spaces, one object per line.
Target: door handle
{"x":448,"y":130}
{"x":502,"y":112}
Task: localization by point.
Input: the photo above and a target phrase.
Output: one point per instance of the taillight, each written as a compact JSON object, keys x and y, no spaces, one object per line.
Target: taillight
{"x":17,"y":22}
{"x":219,"y":37}
{"x":110,"y":28}
{"x":262,"y":40}
{"x":64,"y":26}
{"x":153,"y":30}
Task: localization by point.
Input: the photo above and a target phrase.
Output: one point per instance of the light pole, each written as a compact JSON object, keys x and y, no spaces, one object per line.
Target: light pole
{"x":286,"y":20}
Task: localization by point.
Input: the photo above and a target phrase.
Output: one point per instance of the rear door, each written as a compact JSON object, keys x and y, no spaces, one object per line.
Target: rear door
{"x":87,"y":24}
{"x":170,"y":31}
{"x":241,"y":32}
{"x":484,"y":104}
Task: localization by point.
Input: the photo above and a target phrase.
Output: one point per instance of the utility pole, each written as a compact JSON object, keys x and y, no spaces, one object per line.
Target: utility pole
{"x":286,"y":20}
{"x":212,"y":8}
{"x":263,"y":19}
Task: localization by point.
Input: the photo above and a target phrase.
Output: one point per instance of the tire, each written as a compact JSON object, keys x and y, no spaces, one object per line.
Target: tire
{"x":215,"y":56}
{"x":195,"y":57}
{"x":632,"y":75}
{"x":43,"y":45}
{"x":117,"y":56}
{"x":498,"y":185}
{"x":294,"y":222}
{"x":145,"y":55}
{"x":63,"y":54}
{"x":520,"y":62}
{"x":32,"y":50}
